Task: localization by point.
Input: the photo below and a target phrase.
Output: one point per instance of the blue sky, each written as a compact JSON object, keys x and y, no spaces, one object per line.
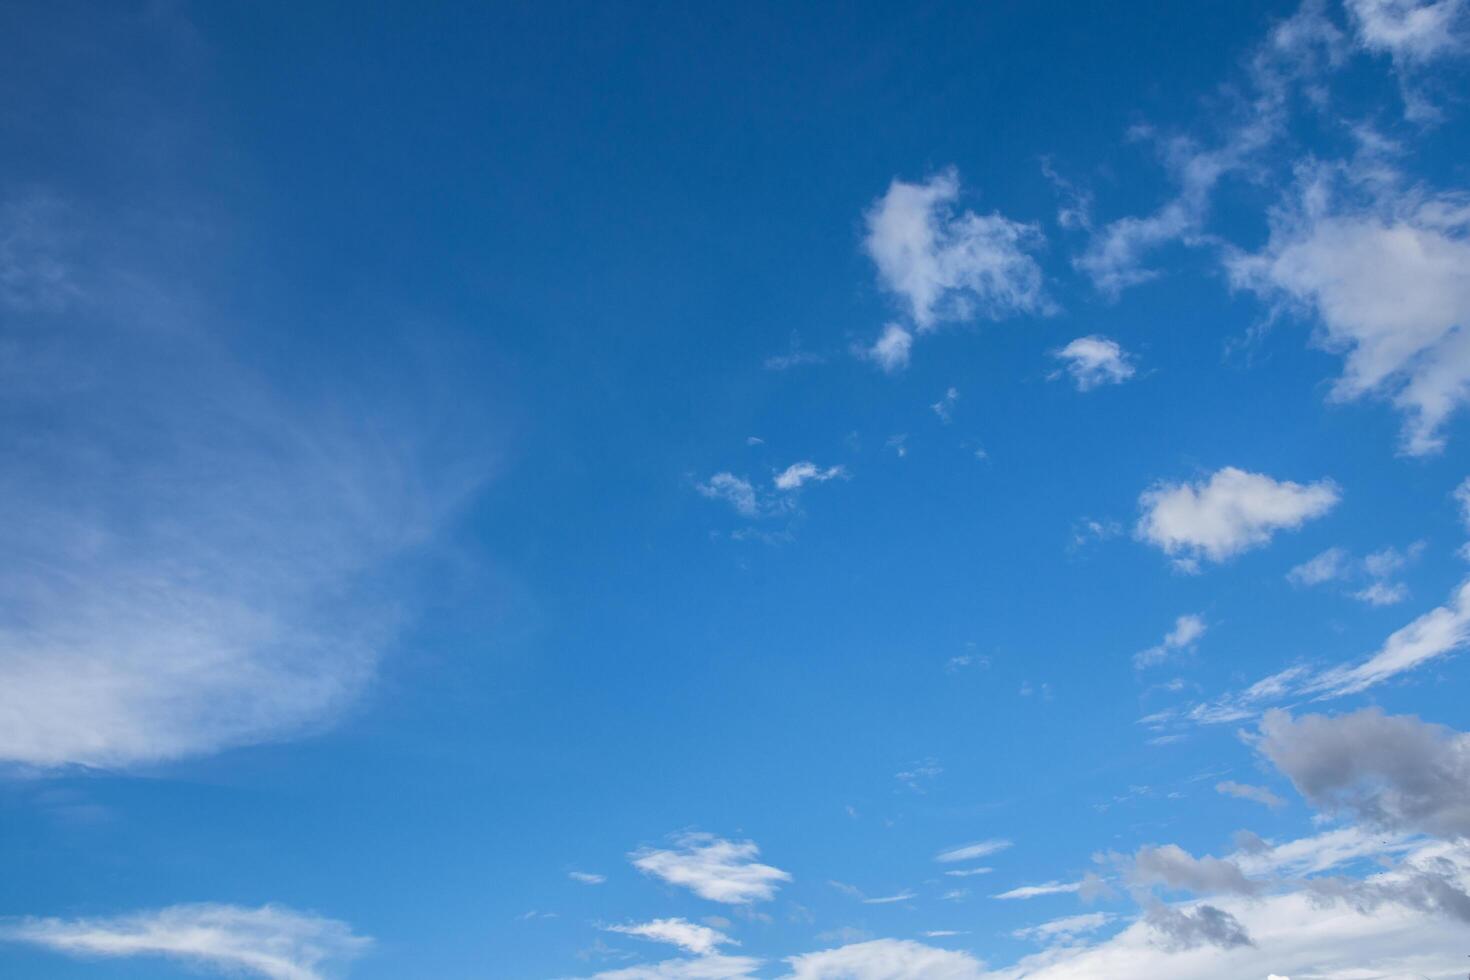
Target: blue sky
{"x":973,"y":492}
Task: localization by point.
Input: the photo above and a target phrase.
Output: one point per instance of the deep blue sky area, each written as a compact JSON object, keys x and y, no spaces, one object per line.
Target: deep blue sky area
{"x":629,"y":489}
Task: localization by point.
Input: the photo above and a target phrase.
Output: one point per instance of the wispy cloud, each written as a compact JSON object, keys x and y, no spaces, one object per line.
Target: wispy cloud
{"x":1037,"y":891}
{"x":695,"y":938}
{"x":968,"y":852}
{"x":270,"y":941}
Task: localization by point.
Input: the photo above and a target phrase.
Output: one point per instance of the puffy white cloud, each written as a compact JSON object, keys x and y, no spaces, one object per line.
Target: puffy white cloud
{"x":1245,"y":791}
{"x":886,"y":959}
{"x":793,"y":476}
{"x":713,"y":868}
{"x":1186,"y":632}
{"x":891,"y":350}
{"x":270,"y":941}
{"x":1386,"y":272}
{"x":1231,"y":512}
{"x":951,"y":265}
{"x":968,"y":852}
{"x":697,"y":939}
{"x":1093,"y":361}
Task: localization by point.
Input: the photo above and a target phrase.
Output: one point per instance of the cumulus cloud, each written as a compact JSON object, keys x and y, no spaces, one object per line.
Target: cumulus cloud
{"x":1094,"y":361}
{"x":1385,"y":271}
{"x":1201,"y":925}
{"x":695,"y":938}
{"x":270,"y":941}
{"x":1186,"y":632}
{"x":1390,"y":771}
{"x":1175,"y":868}
{"x":713,"y":868}
{"x":1231,"y":512}
{"x":947,"y":264}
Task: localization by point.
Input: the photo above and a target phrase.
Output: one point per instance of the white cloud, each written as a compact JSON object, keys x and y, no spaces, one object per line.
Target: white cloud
{"x":1438,"y":632}
{"x":192,"y":564}
{"x":969,"y":872}
{"x":952,"y":265}
{"x":734,"y":490}
{"x":1064,"y":928}
{"x":712,"y":967}
{"x":587,"y":877}
{"x":713,"y":868}
{"x":1385,"y":271}
{"x":1094,"y":361}
{"x":1294,"y":50}
{"x":1336,"y":565}
{"x":1244,"y":791}
{"x":944,"y":408}
{"x":270,"y":941}
{"x":967,"y":852}
{"x":1383,"y":593}
{"x":806,"y":471}
{"x":1231,"y":512}
{"x":1328,"y":566}
{"x":695,"y":938}
{"x":891,"y":350}
{"x":1186,"y":632}
{"x":1411,"y":31}
{"x":903,"y":896}
{"x":886,"y":959}
{"x":1037,"y":891}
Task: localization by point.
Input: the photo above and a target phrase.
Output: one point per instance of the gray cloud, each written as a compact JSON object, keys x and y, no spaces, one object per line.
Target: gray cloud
{"x":1185,"y":928}
{"x":1394,"y":772}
